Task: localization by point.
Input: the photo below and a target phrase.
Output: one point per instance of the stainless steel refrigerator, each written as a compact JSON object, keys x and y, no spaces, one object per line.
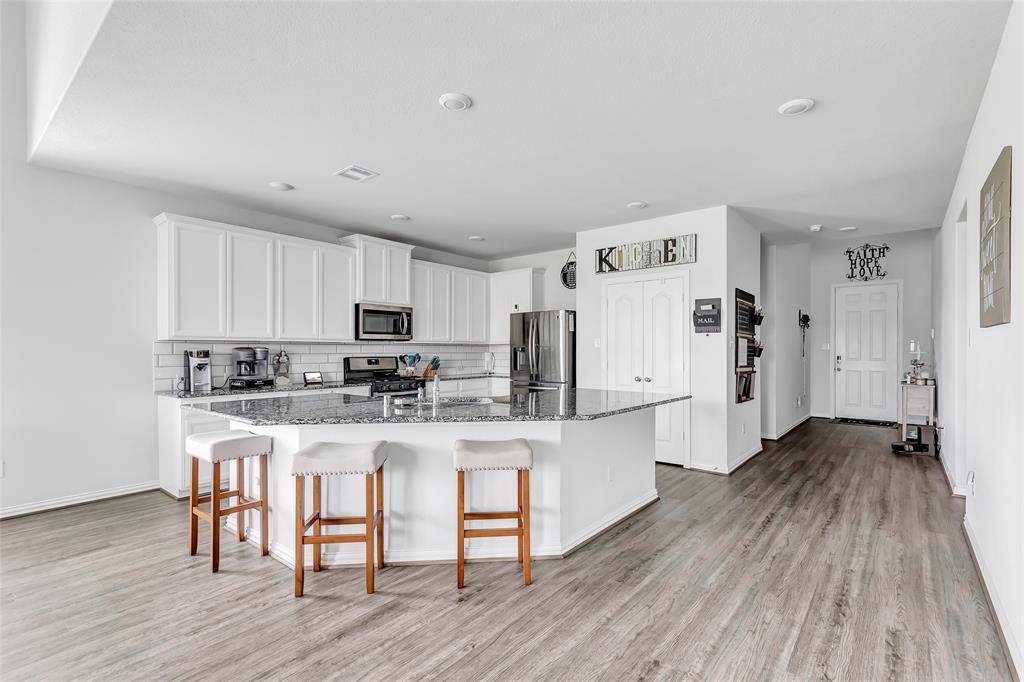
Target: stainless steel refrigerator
{"x":542,"y":349}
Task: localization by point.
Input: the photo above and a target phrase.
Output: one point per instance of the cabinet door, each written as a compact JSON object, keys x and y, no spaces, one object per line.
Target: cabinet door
{"x":501,"y":302}
{"x":297,"y":287}
{"x":474,"y":388}
{"x":250,"y":286}
{"x":440,"y":319}
{"x":478,"y":326}
{"x":373,"y":272}
{"x":422,"y":314}
{"x":199,"y":281}
{"x":460,"y":305}
{"x":397,"y":270}
{"x":337,"y":294}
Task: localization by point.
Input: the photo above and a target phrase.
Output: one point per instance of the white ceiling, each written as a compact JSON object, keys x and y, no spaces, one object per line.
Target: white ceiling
{"x":579,"y":109}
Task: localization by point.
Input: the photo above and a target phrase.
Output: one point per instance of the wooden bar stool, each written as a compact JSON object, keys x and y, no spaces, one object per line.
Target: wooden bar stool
{"x":484,"y":455}
{"x":216,"y":447}
{"x":336,"y":459}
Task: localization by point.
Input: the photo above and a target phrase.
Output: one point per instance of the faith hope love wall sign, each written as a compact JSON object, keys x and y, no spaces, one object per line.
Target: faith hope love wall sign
{"x":653,"y":253}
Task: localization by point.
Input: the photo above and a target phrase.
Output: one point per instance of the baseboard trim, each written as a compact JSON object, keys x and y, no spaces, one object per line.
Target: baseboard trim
{"x":16,"y":510}
{"x":954,"y":491}
{"x":746,"y":458}
{"x":995,"y":607}
{"x":789,"y":428}
{"x":588,"y":534}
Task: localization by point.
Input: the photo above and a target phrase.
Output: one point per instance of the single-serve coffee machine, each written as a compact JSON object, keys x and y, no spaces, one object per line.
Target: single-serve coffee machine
{"x":198,"y":371}
{"x":251,"y":367}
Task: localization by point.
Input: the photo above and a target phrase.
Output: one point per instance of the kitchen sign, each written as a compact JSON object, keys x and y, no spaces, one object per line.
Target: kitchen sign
{"x":866,"y":262}
{"x":653,"y":253}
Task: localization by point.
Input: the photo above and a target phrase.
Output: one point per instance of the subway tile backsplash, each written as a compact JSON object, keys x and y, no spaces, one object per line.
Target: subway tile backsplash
{"x":323,"y":357}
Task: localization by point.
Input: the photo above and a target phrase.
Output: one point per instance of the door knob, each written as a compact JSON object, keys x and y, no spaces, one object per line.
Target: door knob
{"x":636,"y":378}
{"x":647,"y":379}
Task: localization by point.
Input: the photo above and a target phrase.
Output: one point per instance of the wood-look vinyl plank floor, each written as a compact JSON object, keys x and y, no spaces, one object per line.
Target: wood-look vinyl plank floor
{"x":826,"y":557}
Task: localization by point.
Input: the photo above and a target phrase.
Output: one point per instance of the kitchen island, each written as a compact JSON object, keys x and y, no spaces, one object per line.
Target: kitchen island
{"x":593,"y":465}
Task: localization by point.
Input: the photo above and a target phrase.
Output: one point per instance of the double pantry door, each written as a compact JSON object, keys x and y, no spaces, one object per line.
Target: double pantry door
{"x":647,"y":349}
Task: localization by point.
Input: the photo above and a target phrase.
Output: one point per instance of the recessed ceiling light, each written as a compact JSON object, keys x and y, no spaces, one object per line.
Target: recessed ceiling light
{"x":400,"y":216}
{"x":814,"y":228}
{"x":475,"y":238}
{"x":848,"y":228}
{"x":454,"y":101}
{"x":637,"y":204}
{"x":281,"y":186}
{"x":357,"y":173}
{"x":795,"y":107}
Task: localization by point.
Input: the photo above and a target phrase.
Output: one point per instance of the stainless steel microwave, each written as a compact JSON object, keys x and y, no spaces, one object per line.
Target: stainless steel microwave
{"x":376,"y":321}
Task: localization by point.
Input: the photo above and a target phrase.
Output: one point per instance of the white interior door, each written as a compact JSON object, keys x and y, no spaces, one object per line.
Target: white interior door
{"x":666,"y":364}
{"x":624,"y":336}
{"x":866,"y":362}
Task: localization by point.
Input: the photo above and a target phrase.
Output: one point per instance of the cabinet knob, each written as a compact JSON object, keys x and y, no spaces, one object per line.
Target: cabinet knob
{"x":647,"y":379}
{"x":636,"y":378}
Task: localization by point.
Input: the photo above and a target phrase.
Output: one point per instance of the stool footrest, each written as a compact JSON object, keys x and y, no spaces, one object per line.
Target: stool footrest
{"x":203,"y":499}
{"x":251,"y":504}
{"x":341,"y":520}
{"x":482,"y":516}
{"x":330,"y":539}
{"x":493,"y":532}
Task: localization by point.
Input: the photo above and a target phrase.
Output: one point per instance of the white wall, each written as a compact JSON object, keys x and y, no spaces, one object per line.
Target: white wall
{"x":910,"y":260}
{"x":710,"y":374}
{"x":743,"y":271}
{"x":985,"y":434}
{"x":553,"y":295}
{"x":785,"y":290}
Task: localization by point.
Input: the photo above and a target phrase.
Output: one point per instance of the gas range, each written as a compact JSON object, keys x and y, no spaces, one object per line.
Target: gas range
{"x":381,"y":372}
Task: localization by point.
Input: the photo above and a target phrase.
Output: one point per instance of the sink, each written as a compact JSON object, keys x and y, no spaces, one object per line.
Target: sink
{"x":467,"y":401}
{"x":400,"y":404}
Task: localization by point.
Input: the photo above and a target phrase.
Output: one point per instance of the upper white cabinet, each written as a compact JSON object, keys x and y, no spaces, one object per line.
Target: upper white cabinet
{"x":512,"y":291}
{"x":431,"y":301}
{"x":316,"y":291}
{"x":383,"y":270}
{"x":217,"y":281}
{"x":337,"y":302}
{"x":250,"y":292}
{"x":297,"y":289}
{"x":469,"y":306}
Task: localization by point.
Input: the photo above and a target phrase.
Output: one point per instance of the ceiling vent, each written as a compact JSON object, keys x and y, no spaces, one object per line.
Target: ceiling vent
{"x":356,"y":173}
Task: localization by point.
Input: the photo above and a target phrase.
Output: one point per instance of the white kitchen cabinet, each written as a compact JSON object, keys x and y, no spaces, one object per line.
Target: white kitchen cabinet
{"x":191,"y":278}
{"x":431,"y":301}
{"x":337,"y":289}
{"x":383,"y":270}
{"x":297,"y":289}
{"x":250,"y":285}
{"x":513,"y":291}
{"x":469,"y":306}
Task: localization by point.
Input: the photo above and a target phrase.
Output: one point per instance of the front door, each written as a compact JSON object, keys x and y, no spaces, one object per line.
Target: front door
{"x":866,"y":362}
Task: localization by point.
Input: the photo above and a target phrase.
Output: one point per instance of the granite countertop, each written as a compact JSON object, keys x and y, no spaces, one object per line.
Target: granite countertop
{"x":332,"y":408}
{"x":327,"y":385}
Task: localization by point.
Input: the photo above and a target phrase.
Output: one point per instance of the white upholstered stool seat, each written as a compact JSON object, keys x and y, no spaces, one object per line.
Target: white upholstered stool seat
{"x":327,"y":459}
{"x":480,"y":455}
{"x":220,"y":446}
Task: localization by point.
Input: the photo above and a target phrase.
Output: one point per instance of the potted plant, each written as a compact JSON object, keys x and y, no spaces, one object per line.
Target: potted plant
{"x":758,"y":315}
{"x":758,"y":348}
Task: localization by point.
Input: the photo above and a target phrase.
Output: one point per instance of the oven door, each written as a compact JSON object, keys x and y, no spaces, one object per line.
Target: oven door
{"x":387,"y":322}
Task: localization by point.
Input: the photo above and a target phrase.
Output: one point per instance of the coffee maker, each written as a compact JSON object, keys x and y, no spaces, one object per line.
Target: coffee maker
{"x":198,"y":371}
{"x":250,"y":367}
